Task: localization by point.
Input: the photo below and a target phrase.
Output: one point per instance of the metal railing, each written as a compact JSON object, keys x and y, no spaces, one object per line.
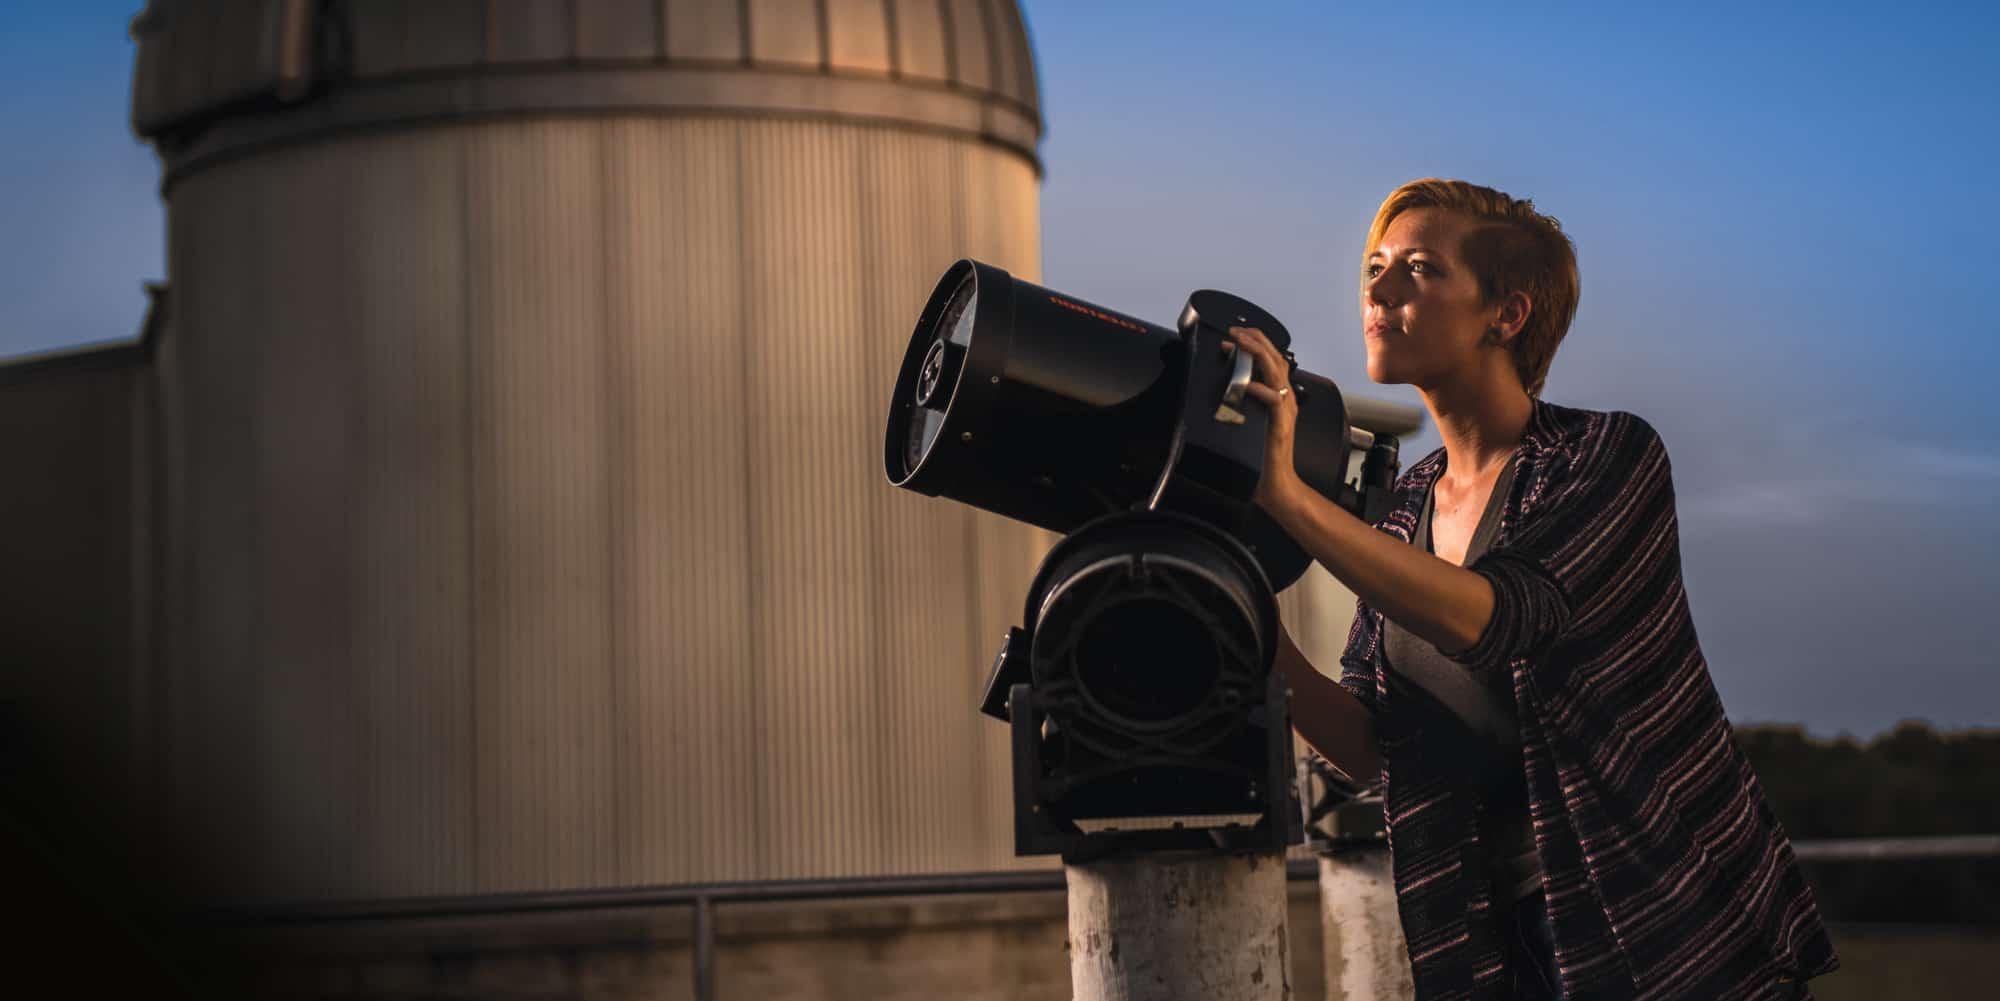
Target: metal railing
{"x":1859,"y":849}
{"x":704,"y":898}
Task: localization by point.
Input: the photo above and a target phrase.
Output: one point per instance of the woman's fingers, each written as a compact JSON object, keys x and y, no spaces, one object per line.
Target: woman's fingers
{"x":1266,"y":395}
{"x":1252,"y":339}
{"x":1270,"y":386}
{"x":1272,"y":368}
{"x":1271,"y":389}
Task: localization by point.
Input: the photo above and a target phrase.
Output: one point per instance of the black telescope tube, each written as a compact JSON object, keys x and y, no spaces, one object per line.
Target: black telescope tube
{"x":1031,"y":404}
{"x":1048,"y":409}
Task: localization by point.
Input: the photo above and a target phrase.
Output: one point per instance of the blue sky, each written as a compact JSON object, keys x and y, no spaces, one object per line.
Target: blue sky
{"x":1786,"y":225}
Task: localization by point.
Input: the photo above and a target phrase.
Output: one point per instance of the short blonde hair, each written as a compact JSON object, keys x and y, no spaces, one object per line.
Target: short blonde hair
{"x":1514,"y":249}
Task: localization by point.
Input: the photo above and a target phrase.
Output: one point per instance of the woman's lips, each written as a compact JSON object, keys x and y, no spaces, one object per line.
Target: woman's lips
{"x":1380,"y":330}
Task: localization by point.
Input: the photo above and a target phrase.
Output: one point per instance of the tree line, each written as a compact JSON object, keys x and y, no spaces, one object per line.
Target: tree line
{"x":1912,"y":781}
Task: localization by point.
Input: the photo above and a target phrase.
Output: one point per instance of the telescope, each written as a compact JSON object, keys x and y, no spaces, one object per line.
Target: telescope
{"x":1139,"y":690}
{"x":1051,"y":410}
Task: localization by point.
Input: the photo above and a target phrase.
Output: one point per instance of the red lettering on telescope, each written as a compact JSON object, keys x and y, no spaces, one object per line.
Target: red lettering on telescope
{"x":1098,"y":314}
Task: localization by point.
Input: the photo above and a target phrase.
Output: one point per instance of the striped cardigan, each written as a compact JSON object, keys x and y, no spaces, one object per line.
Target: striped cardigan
{"x":1666,"y":873}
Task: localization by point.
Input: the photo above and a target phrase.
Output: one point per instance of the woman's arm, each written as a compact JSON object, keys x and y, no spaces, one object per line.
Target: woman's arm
{"x":1444,"y":604}
{"x":1329,"y":717}
{"x":1602,"y":533}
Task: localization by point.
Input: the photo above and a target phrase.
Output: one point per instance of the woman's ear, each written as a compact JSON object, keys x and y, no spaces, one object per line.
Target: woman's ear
{"x":1512,"y":314}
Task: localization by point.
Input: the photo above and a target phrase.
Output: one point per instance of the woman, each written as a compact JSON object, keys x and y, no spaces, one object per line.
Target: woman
{"x":1569,"y":815}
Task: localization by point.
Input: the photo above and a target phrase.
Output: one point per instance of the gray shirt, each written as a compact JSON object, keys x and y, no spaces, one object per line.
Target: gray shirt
{"x":1486,"y":712}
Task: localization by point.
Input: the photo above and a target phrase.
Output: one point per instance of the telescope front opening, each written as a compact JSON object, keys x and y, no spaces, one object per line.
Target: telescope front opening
{"x":1147,"y":661}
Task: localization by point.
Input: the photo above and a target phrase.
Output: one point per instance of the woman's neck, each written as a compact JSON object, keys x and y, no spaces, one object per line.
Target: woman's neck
{"x":1480,"y":426}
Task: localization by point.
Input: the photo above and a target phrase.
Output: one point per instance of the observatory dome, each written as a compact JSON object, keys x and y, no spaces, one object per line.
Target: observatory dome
{"x":210,"y":75}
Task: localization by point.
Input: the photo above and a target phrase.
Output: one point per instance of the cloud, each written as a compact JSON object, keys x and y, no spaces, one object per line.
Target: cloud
{"x":1954,"y":464}
{"x":1851,"y":471}
{"x":1766,"y":503}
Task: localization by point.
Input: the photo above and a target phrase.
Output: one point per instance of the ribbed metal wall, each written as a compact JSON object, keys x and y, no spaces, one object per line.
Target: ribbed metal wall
{"x":527,"y":526}
{"x":75,"y":663}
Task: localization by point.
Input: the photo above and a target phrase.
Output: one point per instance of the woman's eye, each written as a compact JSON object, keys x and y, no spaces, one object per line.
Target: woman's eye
{"x":1420,"y":267}
{"x":1371,"y":270}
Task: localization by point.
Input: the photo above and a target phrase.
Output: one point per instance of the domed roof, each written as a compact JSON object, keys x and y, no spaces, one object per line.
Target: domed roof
{"x":939,"y":63}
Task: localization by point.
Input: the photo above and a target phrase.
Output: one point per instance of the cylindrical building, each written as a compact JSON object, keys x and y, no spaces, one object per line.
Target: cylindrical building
{"x":523,"y":518}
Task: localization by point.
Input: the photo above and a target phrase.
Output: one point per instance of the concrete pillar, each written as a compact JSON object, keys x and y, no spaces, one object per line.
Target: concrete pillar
{"x":1179,"y":927}
{"x":1365,"y":954}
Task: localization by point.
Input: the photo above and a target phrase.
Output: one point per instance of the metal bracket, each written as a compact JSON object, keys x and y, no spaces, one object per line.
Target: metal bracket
{"x":1230,"y":412}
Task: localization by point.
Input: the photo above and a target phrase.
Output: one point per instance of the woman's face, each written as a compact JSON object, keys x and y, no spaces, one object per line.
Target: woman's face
{"x":1421,"y":314}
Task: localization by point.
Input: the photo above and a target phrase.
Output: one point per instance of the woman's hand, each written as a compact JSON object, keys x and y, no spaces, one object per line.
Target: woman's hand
{"x":1279,"y":487}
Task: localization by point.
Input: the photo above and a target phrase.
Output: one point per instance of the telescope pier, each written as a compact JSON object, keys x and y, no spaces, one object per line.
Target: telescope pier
{"x":1182,"y":926}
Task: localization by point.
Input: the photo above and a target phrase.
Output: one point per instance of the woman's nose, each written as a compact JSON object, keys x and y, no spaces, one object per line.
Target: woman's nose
{"x":1380,"y":289}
